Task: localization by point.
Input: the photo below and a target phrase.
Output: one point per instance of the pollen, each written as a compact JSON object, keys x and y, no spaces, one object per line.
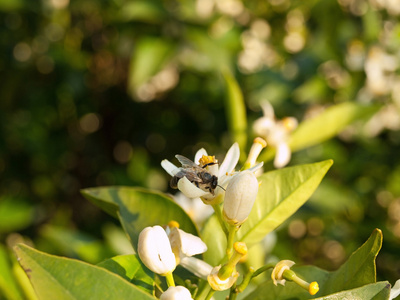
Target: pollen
{"x":260,"y":141}
{"x":313,"y":288}
{"x":173,"y":224}
{"x":207,"y":160}
{"x":289,"y":123}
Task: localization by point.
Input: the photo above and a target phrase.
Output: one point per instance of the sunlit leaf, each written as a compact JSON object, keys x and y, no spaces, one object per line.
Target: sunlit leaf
{"x":15,"y":214}
{"x":324,"y":126}
{"x":357,"y":276}
{"x":235,"y":111}
{"x":150,"y":56}
{"x":138,"y":208}
{"x":8,"y":285}
{"x":62,"y":278}
{"x":131,"y":269}
{"x":280,"y":195}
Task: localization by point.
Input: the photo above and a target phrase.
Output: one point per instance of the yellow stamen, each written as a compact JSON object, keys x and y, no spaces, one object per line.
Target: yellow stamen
{"x":205,"y":160}
{"x":173,"y":224}
{"x":289,"y":123}
{"x":313,"y":288}
{"x":260,"y":141}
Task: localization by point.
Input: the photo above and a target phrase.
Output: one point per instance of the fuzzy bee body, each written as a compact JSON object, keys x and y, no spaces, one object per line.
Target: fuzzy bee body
{"x":195,"y":174}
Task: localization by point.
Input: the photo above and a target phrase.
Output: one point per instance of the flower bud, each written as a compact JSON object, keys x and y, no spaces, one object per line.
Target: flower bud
{"x":155,"y":250}
{"x":239,"y":197}
{"x":176,"y":293}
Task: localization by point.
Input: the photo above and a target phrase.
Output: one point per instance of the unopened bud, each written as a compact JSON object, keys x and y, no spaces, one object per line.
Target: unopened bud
{"x":240,"y":195}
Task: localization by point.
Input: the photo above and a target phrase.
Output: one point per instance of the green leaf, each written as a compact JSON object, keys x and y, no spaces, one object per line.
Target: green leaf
{"x":358,"y":271}
{"x":280,"y":195}
{"x":235,"y":111}
{"x":15,"y":214}
{"x":8,"y":285}
{"x":62,"y":278}
{"x":138,"y":208}
{"x":131,"y":269}
{"x":76,"y":244}
{"x":375,"y":291}
{"x":147,"y":11}
{"x":324,"y":126}
{"x":328,"y":124}
{"x":150,"y":56}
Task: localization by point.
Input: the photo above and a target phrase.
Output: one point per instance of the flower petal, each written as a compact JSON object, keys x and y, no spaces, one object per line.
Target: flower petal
{"x":187,"y":244}
{"x":282,"y":156}
{"x":169,"y":167}
{"x":230,"y":161}
{"x":268,"y":109}
{"x":395,"y":291}
{"x":197,"y":266}
{"x":189,"y":189}
{"x":199,"y":154}
{"x":176,"y":293}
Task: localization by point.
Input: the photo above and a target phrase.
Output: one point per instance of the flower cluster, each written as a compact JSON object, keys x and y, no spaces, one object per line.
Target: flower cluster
{"x":161,"y":250}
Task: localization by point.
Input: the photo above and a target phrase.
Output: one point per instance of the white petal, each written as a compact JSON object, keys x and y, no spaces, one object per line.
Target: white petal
{"x":255,"y":168}
{"x":199,"y":154}
{"x":176,"y":293}
{"x":263,"y":126}
{"x":230,"y":161}
{"x":155,"y":250}
{"x":239,"y":197}
{"x":197,"y":266}
{"x":189,"y":189}
{"x":395,"y":291}
{"x":282,"y":156}
{"x":169,"y":167}
{"x":267,"y":109}
{"x":188,"y":244}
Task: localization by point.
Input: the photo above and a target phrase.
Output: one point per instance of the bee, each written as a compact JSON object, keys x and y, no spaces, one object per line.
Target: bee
{"x":195,"y":174}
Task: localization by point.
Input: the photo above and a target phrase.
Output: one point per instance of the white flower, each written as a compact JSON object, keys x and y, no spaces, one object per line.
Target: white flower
{"x":276,"y":132}
{"x":223,"y":172}
{"x":155,"y":251}
{"x":176,"y":293}
{"x":277,"y":272}
{"x":218,"y":284}
{"x":395,"y":291}
{"x":195,"y":208}
{"x":185,"y":245}
{"x":239,"y":197}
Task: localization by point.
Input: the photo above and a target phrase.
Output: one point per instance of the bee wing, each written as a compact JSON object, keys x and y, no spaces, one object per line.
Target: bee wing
{"x":190,"y":174}
{"x":186,"y":162}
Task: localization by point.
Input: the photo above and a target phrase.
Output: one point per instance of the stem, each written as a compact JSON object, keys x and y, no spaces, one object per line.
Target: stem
{"x":218,"y":213}
{"x":204,"y":289}
{"x":233,"y":292}
{"x":231,"y":239}
{"x":210,"y":294}
{"x":246,"y":280}
{"x":170,"y":279}
{"x":263,"y":269}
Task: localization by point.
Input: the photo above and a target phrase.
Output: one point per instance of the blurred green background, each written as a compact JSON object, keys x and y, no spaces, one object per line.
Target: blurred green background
{"x":99,"y":92}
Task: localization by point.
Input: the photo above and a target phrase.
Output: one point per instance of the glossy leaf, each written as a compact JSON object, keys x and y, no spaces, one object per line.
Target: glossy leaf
{"x":324,"y":126}
{"x":375,"y":291}
{"x":138,"y":208}
{"x":150,"y":56}
{"x":131,"y":269}
{"x":8,"y":285}
{"x":281,"y":193}
{"x":358,"y":271}
{"x":235,"y":111}
{"x":62,"y":278}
